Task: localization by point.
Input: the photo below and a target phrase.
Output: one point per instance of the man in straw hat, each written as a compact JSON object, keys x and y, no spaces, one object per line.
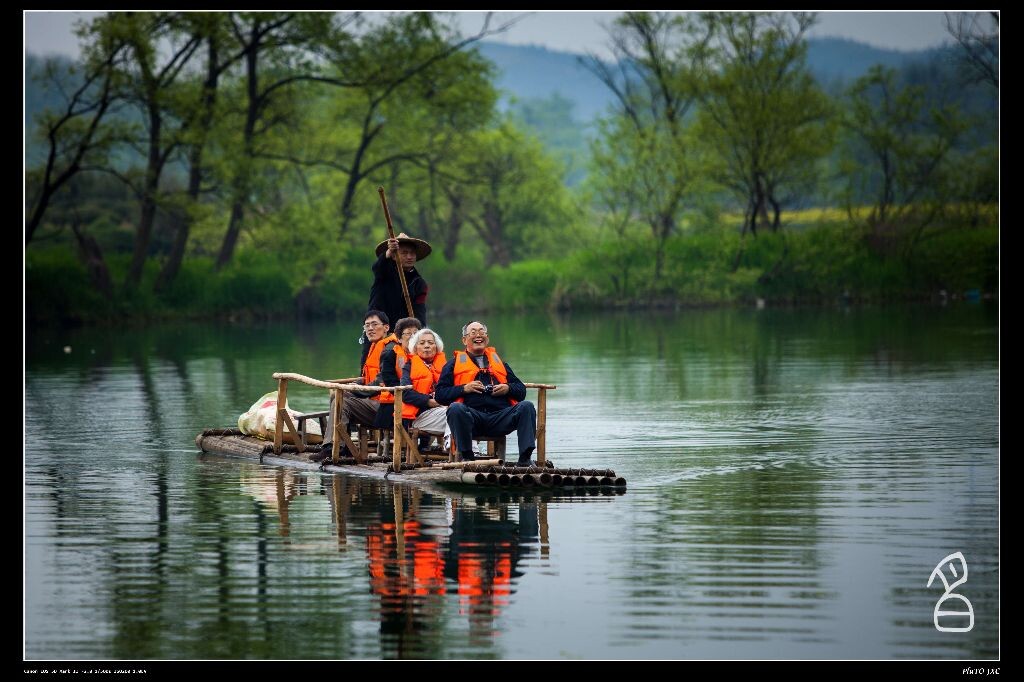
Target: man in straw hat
{"x":386,"y":292}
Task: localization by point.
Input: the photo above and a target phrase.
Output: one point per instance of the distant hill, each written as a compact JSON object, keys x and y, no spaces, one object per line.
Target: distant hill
{"x":559,"y":98}
{"x":844,"y":58}
{"x":533,"y":72}
{"x":528,"y":72}
{"x":834,"y":61}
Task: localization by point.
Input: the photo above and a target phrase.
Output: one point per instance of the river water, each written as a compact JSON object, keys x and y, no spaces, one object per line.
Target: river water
{"x":794,"y":479}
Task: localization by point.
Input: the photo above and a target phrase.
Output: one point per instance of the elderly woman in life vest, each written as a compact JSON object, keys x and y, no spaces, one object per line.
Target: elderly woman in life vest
{"x":426,"y":358}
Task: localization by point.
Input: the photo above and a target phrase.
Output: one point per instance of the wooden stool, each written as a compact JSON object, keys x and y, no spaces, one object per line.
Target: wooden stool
{"x":495,"y":447}
{"x":415,"y":436}
{"x":321,"y":418}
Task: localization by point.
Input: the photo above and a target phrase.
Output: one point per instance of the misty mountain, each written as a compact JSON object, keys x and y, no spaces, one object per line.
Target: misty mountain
{"x":528,"y":72}
{"x":554,"y":93}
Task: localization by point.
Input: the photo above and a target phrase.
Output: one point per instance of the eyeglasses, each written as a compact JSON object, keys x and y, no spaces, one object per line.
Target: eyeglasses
{"x":478,"y":330}
{"x":372,"y":325}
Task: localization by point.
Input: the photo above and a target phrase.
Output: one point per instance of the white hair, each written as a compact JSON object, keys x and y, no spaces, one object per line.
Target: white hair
{"x":415,"y":338}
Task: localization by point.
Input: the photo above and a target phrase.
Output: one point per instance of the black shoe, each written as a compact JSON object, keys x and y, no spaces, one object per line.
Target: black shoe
{"x":467,"y":456}
{"x":524,"y":458}
{"x":325,"y":453}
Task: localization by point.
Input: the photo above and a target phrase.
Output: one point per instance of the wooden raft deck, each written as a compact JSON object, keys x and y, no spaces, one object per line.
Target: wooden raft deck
{"x":488,"y":473}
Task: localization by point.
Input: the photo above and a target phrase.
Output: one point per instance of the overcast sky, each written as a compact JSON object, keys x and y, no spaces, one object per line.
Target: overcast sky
{"x":51,"y":32}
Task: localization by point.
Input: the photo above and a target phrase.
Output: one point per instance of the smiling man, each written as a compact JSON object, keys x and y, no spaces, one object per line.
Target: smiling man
{"x":486,"y":398}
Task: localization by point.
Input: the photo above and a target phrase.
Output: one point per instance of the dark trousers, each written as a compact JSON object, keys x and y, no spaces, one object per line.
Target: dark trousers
{"x":465,"y":422}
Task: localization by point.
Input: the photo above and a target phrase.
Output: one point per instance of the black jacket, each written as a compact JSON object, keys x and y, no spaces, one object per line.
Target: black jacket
{"x":386,"y":292}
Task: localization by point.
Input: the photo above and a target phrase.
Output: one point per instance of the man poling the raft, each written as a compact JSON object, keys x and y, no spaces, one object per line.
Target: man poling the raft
{"x":398,"y":288}
{"x":394,"y":277}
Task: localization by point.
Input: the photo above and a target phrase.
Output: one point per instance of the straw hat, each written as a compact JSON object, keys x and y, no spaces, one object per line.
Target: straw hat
{"x":422,"y":248}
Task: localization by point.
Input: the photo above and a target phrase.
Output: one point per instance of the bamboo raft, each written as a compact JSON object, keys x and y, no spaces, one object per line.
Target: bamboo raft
{"x":291,"y":446}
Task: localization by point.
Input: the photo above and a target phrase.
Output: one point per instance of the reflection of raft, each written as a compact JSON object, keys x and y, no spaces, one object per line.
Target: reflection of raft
{"x":478,"y":473}
{"x":291,"y":447}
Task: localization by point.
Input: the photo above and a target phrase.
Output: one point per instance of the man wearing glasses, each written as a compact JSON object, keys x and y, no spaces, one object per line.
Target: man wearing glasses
{"x":363,"y":410}
{"x":485,"y":397}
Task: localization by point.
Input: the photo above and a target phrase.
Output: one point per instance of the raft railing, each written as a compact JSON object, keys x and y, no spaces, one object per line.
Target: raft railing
{"x":402,"y":440}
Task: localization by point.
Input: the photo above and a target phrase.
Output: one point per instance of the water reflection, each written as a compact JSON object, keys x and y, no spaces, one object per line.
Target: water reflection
{"x":439,"y":566}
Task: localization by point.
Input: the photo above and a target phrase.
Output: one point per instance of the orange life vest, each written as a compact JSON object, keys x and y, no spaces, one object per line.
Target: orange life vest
{"x":371,"y":368}
{"x":466,"y":369}
{"x":484,"y":590}
{"x":424,"y":378}
{"x":387,"y":575}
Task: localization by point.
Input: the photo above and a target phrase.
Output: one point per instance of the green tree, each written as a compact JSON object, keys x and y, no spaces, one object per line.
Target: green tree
{"x":762,"y":115}
{"x":644,"y":155}
{"x":149,"y":77}
{"x":276,"y":43}
{"x":896,"y":153}
{"x":977,"y":33}
{"x":74,"y":136}
{"x":551,"y":120}
{"x":517,"y":202}
{"x":199,"y":100}
{"x":406,"y":117}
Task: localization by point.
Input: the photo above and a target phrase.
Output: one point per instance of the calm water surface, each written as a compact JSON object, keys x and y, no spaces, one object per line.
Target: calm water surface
{"x":794,"y":478}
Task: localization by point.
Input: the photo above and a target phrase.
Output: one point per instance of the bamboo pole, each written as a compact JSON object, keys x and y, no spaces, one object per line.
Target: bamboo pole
{"x":542,"y":515}
{"x":310,"y":381}
{"x":407,"y":442}
{"x":282,"y":399}
{"x":282,"y":503}
{"x":363,"y":451}
{"x":396,"y":424}
{"x":414,"y":447}
{"x":341,"y":500}
{"x":299,"y":445}
{"x":475,"y":462}
{"x":336,"y":405}
{"x":542,"y":425}
{"x":399,"y":524}
{"x":398,"y":257}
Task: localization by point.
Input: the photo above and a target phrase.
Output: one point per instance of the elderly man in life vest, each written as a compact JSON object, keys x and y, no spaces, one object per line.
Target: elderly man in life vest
{"x":485,"y":397}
